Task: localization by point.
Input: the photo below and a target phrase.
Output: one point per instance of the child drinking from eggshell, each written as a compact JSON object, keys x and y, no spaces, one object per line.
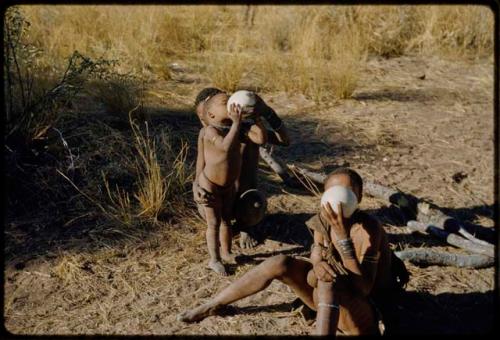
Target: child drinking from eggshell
{"x":219,"y":143}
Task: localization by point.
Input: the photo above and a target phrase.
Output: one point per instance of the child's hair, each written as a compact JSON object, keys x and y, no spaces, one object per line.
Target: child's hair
{"x":206,"y":93}
{"x":353,"y":175}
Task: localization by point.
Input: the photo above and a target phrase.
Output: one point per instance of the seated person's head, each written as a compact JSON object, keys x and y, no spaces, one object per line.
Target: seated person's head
{"x":202,"y":98}
{"x":348,"y":178}
{"x":216,"y":110}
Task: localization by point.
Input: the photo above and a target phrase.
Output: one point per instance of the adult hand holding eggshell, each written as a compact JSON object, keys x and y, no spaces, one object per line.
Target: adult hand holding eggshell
{"x":337,"y":204}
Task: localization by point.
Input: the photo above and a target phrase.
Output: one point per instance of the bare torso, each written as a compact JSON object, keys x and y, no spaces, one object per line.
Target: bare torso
{"x":222,"y":167}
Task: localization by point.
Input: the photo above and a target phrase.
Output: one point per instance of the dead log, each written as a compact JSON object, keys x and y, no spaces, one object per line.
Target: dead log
{"x":275,"y":164}
{"x":452,"y":239}
{"x":430,"y":257}
{"x":429,"y":214}
{"x":412,"y":207}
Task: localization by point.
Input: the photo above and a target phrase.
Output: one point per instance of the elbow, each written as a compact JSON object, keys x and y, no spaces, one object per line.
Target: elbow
{"x":259,"y":138}
{"x":262,"y":139}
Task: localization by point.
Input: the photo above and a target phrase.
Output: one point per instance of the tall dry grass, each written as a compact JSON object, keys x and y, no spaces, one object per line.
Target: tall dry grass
{"x":159,"y":184}
{"x":316,"y":50}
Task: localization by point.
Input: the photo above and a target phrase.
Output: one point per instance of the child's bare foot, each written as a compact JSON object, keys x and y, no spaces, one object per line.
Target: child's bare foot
{"x":228,"y":258}
{"x":217,"y":267}
{"x":197,"y":314}
{"x":247,"y":241}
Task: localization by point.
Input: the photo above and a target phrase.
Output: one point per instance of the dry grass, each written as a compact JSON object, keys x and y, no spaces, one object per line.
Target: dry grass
{"x":126,"y":275}
{"x":318,"y":50}
{"x":119,"y":94}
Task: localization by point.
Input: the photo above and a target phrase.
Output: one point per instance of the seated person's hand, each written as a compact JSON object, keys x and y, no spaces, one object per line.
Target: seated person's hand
{"x":324,"y":272}
{"x":336,"y":221}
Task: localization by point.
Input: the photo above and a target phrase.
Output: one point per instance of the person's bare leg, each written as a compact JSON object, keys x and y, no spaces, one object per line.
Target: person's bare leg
{"x":212,"y":235}
{"x":225,"y":237}
{"x":328,"y":309}
{"x":357,"y":315}
{"x":292,"y":272}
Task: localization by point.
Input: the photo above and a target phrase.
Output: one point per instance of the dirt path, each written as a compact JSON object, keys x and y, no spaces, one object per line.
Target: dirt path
{"x":399,"y":129}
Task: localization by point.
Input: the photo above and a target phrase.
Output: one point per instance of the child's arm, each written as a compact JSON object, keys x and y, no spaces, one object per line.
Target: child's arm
{"x":231,"y":139}
{"x":199,"y":194}
{"x":200,"y":159}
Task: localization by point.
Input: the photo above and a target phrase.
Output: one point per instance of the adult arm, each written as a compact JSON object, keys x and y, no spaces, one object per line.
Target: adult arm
{"x":258,"y":133}
{"x":361,"y":257}
{"x":278,"y":135}
{"x":321,"y":268}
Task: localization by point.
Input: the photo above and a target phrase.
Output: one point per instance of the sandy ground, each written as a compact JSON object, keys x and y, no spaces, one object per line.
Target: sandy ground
{"x":398,"y":129}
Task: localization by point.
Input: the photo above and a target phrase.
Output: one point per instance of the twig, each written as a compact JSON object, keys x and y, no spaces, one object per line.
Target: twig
{"x":65,"y":144}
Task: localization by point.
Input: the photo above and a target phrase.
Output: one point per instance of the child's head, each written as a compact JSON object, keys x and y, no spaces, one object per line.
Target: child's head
{"x":201,"y":99}
{"x":216,"y":110}
{"x":348,"y":178}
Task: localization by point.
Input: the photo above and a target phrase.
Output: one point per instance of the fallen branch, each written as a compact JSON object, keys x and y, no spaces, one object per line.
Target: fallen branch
{"x":428,"y":214}
{"x":278,"y":167}
{"x":452,"y":239}
{"x":412,"y":207}
{"x":431,"y":257}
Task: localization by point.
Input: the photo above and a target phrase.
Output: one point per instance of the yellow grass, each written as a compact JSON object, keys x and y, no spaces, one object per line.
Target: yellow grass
{"x":317,"y":50}
{"x":159,"y":185}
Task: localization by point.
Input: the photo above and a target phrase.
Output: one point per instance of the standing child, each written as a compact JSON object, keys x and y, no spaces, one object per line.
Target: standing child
{"x":219,"y":144}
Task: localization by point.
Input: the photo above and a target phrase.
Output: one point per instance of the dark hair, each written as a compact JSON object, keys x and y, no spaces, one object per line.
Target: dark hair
{"x":205,"y":93}
{"x":353,"y":175}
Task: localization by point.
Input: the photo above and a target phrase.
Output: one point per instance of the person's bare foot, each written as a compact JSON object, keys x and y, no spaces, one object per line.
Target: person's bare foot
{"x":228,"y":258}
{"x":247,"y":241}
{"x":217,"y":267}
{"x":197,"y":314}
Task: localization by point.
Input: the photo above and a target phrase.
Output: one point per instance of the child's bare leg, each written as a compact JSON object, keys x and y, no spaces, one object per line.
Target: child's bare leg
{"x":292,"y":272}
{"x":225,"y":237}
{"x":212,"y":235}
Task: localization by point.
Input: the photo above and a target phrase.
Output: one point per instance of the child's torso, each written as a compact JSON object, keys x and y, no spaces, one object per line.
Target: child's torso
{"x":222,"y":167}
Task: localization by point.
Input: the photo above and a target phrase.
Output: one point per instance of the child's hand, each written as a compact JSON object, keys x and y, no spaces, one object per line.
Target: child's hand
{"x":235,"y":113}
{"x":201,"y":196}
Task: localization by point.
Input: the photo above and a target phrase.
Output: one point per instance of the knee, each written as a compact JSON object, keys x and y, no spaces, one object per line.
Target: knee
{"x":280,"y":264}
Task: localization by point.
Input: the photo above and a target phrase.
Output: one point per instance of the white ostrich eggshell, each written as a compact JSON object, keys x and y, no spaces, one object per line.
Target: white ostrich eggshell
{"x":340,"y":194}
{"x":246,"y":99}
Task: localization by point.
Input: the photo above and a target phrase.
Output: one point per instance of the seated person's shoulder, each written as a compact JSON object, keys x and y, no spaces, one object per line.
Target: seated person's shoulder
{"x":314,"y":222}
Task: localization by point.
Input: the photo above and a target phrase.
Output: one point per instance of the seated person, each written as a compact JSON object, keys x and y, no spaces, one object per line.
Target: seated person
{"x":219,"y":144}
{"x":360,"y":246}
